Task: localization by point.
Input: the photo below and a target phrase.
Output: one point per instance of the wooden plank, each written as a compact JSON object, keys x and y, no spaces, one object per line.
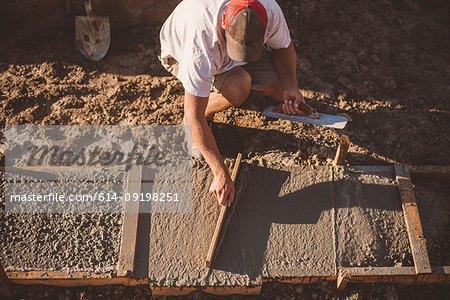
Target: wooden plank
{"x":233,"y":290}
{"x":298,"y":280}
{"x":380,"y":271}
{"x":387,"y":171}
{"x":404,"y":275}
{"x":439,"y":275}
{"x":5,"y":284}
{"x":214,"y":290}
{"x":158,"y":291}
{"x":342,"y":150}
{"x":125,"y":265}
{"x":221,"y":219}
{"x":61,"y":278}
{"x":412,"y":220}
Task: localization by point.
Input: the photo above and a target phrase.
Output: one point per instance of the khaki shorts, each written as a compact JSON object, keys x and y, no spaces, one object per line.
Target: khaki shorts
{"x":262,"y":71}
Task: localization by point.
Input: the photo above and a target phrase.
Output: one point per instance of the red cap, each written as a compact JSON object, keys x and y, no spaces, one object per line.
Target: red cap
{"x":245,"y":24}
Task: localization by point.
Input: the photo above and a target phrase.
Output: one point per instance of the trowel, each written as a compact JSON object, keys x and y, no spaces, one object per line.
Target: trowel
{"x":310,"y":116}
{"x":92,"y":34}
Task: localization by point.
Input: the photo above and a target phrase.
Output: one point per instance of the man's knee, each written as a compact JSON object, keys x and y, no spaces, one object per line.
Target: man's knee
{"x":237,"y":86}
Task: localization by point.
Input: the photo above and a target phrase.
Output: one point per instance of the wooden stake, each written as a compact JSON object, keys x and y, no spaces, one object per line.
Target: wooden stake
{"x":412,"y":220}
{"x":125,"y":265}
{"x":221,"y":219}
{"x":5,"y":284}
{"x":343,"y":278}
{"x":342,"y":150}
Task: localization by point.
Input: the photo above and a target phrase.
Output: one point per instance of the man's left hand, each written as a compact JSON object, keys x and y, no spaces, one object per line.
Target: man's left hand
{"x":292,"y":100}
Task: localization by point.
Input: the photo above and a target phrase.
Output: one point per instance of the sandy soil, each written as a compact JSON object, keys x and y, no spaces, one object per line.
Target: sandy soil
{"x":396,"y":51}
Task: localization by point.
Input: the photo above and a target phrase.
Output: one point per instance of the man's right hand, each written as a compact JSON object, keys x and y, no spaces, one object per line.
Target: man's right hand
{"x":223,"y":188}
{"x":194,"y":115}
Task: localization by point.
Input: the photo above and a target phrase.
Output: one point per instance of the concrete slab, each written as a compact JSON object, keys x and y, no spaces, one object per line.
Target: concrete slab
{"x":291,"y":222}
{"x":280,"y":227}
{"x":433,"y":202}
{"x":370,"y":226}
{"x":172,"y":247}
{"x":69,"y":242}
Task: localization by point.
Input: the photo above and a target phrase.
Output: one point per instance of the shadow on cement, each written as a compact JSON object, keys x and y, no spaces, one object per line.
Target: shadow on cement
{"x":271,"y":197}
{"x":291,"y":207}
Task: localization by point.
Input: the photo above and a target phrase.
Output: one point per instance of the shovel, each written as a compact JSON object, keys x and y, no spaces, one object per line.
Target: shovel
{"x":92,"y":34}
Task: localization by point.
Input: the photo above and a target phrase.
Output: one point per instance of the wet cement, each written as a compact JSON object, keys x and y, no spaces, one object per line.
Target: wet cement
{"x":70,"y":242}
{"x":295,"y":221}
{"x":433,"y":202}
{"x":370,"y":226}
{"x":281,"y":226}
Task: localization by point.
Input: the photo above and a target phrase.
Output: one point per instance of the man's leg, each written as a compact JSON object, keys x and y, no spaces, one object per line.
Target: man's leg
{"x":233,"y":92}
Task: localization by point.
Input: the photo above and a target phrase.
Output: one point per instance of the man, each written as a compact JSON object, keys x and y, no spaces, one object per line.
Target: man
{"x":215,"y":48}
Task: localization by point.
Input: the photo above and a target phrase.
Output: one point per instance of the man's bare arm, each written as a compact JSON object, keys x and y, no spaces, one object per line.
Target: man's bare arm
{"x":285,"y":62}
{"x":194,"y":115}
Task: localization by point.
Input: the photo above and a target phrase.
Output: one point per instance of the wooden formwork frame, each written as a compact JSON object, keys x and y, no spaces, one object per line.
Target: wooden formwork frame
{"x":422,"y":272}
{"x":418,"y":274}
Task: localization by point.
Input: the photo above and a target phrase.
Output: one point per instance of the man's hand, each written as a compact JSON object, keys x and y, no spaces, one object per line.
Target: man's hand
{"x":292,"y":102}
{"x":223,"y":188}
{"x":194,"y":109}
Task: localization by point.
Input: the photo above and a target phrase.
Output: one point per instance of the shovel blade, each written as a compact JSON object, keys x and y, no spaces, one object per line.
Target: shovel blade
{"x":92,"y":35}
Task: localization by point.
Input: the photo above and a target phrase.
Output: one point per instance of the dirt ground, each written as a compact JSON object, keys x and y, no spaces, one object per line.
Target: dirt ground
{"x":276,"y":291}
{"x":396,"y":50}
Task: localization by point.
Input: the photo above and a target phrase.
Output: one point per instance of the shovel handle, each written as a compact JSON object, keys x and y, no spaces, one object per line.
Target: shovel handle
{"x":88,"y":7}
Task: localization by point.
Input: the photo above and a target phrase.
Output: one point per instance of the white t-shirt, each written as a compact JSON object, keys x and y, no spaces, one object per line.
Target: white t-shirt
{"x":193,"y":35}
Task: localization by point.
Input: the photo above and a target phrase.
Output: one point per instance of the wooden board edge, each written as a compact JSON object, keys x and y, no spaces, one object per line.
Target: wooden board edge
{"x":387,"y":171}
{"x":213,"y":290}
{"x":234,"y":290}
{"x":60,"y":278}
{"x":439,"y":275}
{"x":393,"y":271}
{"x":125,"y":264}
{"x":301,"y":279}
{"x":412,"y":220}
